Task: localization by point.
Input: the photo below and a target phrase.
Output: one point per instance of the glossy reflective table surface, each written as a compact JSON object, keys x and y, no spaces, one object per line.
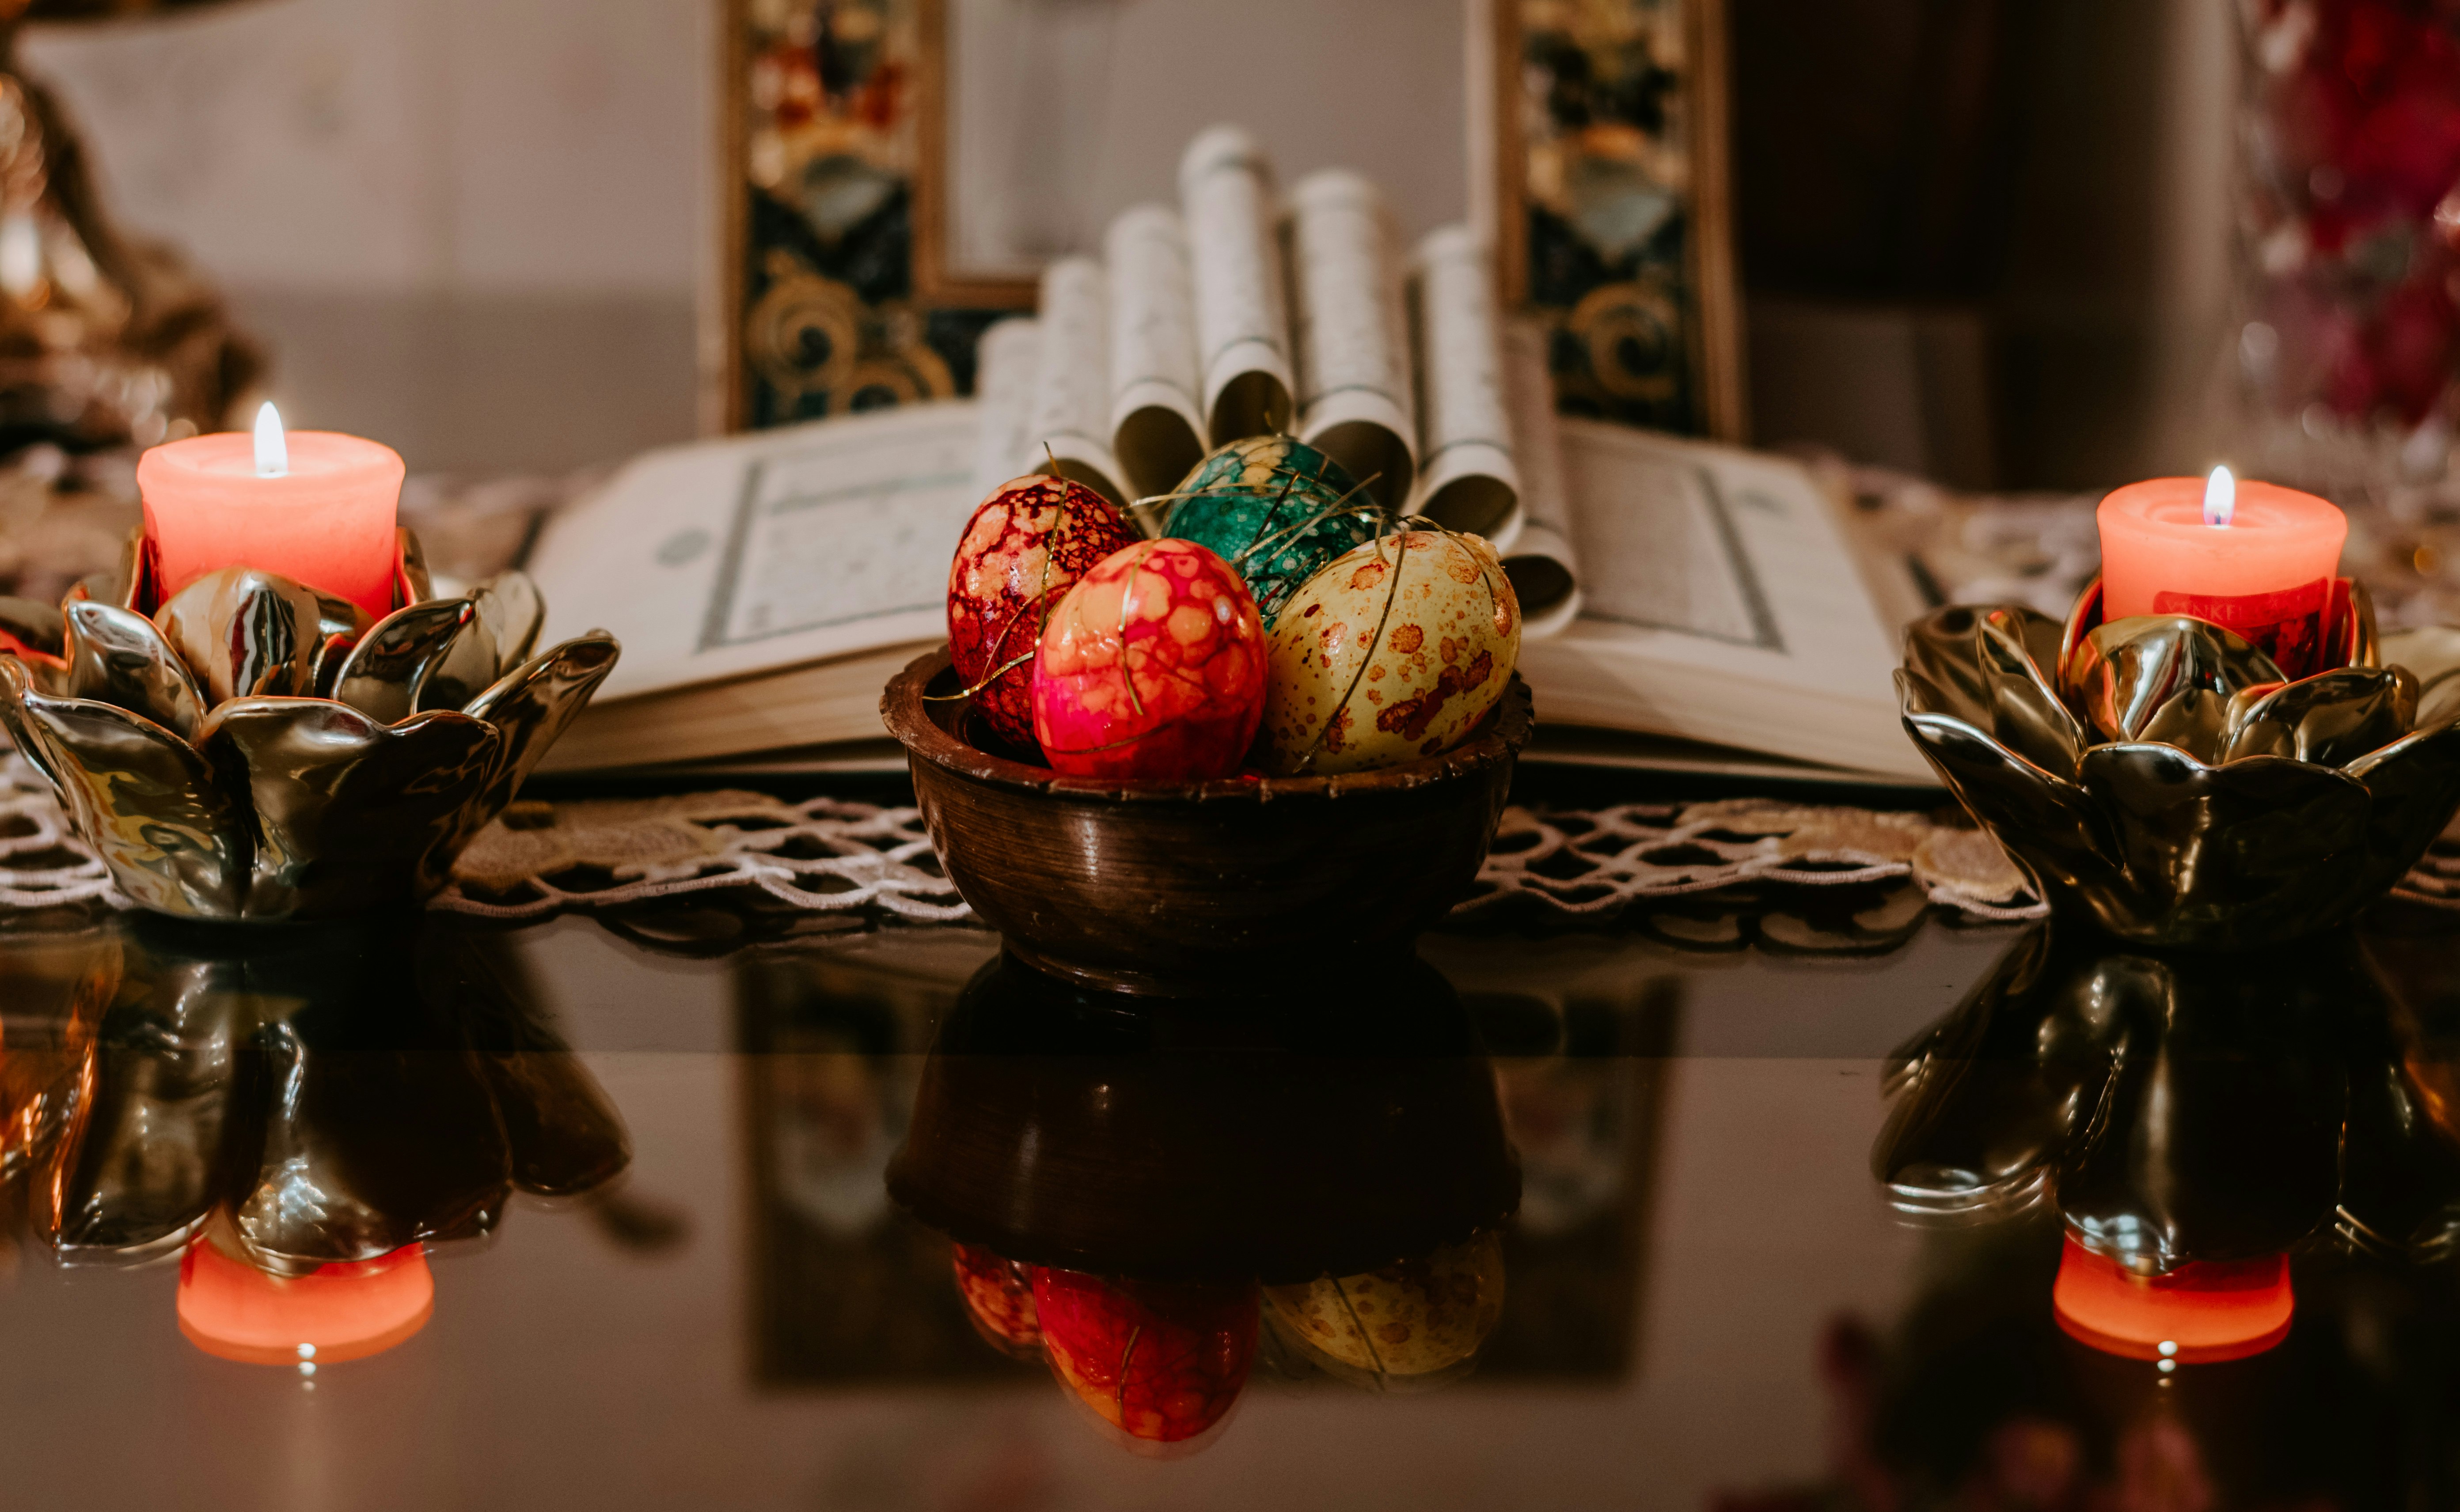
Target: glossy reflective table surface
{"x":1692,"y":1210}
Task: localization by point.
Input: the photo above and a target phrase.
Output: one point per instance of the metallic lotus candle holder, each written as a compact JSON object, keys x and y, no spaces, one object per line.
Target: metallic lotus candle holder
{"x":2161,"y":775}
{"x":253,"y":749}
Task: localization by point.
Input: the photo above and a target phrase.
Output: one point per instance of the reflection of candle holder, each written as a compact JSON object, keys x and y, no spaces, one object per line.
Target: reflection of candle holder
{"x":2198,"y":1122}
{"x":2161,"y":775}
{"x":254,"y":749}
{"x":298,"y":1114}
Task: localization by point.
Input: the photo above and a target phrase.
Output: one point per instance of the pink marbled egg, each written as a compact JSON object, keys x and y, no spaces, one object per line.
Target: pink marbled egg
{"x":1152,"y":666}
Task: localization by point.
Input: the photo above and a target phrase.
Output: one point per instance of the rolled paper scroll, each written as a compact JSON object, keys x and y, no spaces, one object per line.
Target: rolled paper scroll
{"x":1156,"y":423}
{"x":1241,"y":319}
{"x":1353,"y":336}
{"x":1470,"y":477}
{"x":1008,"y":365}
{"x":1069,"y":423}
{"x":1538,"y":552}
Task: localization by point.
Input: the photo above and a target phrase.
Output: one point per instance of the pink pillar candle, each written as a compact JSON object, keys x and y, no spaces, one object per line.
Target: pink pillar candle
{"x":327,"y":521}
{"x":2261,"y":564}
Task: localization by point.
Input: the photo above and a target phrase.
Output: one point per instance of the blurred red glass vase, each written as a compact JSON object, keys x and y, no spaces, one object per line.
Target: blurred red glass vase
{"x":1162,"y":1364}
{"x":1151,"y":667}
{"x":1025,"y":545}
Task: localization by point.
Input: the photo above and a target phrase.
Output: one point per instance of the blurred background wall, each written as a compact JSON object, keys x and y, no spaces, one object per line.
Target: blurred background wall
{"x":1985,"y":240}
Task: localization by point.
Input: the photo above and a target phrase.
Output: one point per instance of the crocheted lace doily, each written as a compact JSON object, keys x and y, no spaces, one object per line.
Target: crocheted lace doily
{"x":829,"y":855}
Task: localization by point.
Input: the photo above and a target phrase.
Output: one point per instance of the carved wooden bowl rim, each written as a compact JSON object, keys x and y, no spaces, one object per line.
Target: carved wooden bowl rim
{"x":903,"y":707}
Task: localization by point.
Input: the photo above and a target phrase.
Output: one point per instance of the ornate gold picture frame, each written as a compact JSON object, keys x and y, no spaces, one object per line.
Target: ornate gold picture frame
{"x":826,"y":300}
{"x":1602,"y":124}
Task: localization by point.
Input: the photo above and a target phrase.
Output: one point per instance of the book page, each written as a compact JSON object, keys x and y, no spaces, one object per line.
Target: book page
{"x":1536,"y":538}
{"x":1470,"y":480}
{"x":1072,"y":389}
{"x":743,"y":556}
{"x":1008,"y":364}
{"x":1721,"y":603}
{"x":1156,"y":425}
{"x":1354,"y":399}
{"x":1234,"y":271}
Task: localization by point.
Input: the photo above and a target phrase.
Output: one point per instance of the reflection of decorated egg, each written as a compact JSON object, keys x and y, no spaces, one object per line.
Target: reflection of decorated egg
{"x":1026,"y":545}
{"x":1392,"y":652}
{"x":1416,"y":1319}
{"x":1152,"y":666}
{"x":999,"y":1297}
{"x":1162,"y":1364}
{"x":1261,"y":505}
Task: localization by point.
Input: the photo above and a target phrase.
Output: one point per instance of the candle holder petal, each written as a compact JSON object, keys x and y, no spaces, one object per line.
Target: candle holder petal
{"x":2214,"y":802}
{"x":533,"y":703}
{"x":352,"y":814}
{"x":389,"y":666}
{"x":502,"y":633}
{"x":147,"y":803}
{"x":1982,"y":665}
{"x":245,"y":634}
{"x":2163,"y":678}
{"x":118,"y":657}
{"x":2330,"y":719}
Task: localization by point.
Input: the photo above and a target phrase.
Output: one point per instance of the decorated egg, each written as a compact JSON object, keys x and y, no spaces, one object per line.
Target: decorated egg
{"x":1274,"y":508}
{"x":999,"y":1297}
{"x":1161,"y":1363}
{"x":1025,"y":545}
{"x":1152,"y":666}
{"x":1394,"y":651}
{"x":1415,"y":1319}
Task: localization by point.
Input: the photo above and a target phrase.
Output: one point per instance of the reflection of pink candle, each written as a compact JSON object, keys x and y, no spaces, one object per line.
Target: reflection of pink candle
{"x":322,"y":516}
{"x":339,"y":1311}
{"x":2204,"y":1311}
{"x":2260,"y":562}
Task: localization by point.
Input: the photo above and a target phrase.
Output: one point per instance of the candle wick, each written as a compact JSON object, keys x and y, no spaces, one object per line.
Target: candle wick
{"x":272,"y":445}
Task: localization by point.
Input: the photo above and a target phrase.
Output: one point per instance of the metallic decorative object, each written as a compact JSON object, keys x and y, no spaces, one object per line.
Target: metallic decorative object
{"x":105,"y":340}
{"x":252,"y":749}
{"x":2161,"y":776}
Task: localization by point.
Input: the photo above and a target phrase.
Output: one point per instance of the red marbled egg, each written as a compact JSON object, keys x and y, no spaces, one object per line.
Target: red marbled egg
{"x":1025,"y":545}
{"x":999,"y":1297}
{"x":1161,"y":1363}
{"x":1152,"y":666}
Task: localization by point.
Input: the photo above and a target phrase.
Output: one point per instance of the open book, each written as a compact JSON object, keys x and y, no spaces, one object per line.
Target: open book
{"x":766,"y":588}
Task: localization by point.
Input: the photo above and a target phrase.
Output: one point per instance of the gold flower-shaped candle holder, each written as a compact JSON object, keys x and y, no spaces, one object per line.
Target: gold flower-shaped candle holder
{"x":252,"y":749}
{"x":2163,"y":777}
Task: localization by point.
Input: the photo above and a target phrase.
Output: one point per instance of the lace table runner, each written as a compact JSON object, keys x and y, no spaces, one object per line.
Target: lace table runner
{"x":825,"y":855}
{"x":828,"y":855}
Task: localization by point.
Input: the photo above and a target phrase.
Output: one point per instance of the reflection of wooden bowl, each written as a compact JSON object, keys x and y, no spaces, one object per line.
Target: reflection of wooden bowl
{"x":1184,"y":886}
{"x":1281,"y":1138}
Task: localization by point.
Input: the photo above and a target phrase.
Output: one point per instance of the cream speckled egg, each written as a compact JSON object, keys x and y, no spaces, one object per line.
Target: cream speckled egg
{"x":1415,"y":1318}
{"x":1390,"y":652}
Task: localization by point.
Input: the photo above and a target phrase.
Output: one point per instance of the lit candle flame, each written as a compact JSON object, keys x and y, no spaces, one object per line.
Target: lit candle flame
{"x":2220,"y":497}
{"x":272,"y":446}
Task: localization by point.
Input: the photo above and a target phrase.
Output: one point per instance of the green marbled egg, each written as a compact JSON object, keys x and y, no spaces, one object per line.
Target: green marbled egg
{"x":1246,"y":502}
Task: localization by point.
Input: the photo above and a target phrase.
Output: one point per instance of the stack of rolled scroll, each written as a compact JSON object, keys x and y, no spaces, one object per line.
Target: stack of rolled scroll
{"x":1238,"y":314}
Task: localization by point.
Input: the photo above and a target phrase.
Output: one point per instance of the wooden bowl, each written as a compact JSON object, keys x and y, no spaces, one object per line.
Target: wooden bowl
{"x":1195,"y":888}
